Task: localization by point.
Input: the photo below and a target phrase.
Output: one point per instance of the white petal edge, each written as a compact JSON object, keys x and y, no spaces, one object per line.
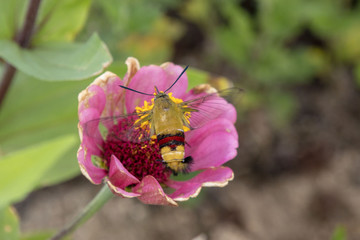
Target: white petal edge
{"x":206,"y":184}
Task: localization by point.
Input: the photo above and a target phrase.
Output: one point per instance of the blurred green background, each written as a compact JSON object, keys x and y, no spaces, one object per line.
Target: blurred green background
{"x":298,"y":169}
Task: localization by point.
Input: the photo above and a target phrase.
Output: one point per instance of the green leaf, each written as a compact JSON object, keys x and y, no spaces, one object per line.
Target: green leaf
{"x":9,"y":224}
{"x":236,"y":40}
{"x":135,"y":15}
{"x":346,"y":42}
{"x":339,"y":233}
{"x":47,"y":111}
{"x":119,"y":68}
{"x":38,"y":236}
{"x":282,"y":19}
{"x":279,"y":19}
{"x":11,"y":16}
{"x":45,"y":235}
{"x":328,"y":19}
{"x":55,"y":62}
{"x":60,"y":20}
{"x":64,"y":168}
{"x":197,"y":77}
{"x":279,"y":65}
{"x":51,"y":25}
{"x":21,"y":171}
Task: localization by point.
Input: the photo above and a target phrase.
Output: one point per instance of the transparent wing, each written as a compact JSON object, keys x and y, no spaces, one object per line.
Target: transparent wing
{"x":210,"y":106}
{"x":122,"y":127}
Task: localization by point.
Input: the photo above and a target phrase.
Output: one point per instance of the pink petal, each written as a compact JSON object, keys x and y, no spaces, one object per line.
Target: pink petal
{"x":172,"y":73}
{"x":87,"y":115}
{"x":121,"y":192}
{"x":94,"y":174}
{"x":133,"y":66}
{"x":114,"y":96}
{"x":104,"y":94}
{"x":229,"y":113}
{"x":119,"y":176}
{"x":88,"y":127}
{"x":195,"y":137}
{"x":90,"y":145}
{"x":212,"y":177}
{"x":216,"y":149}
{"x":144,"y":81}
{"x":152,"y":193}
{"x":92,"y":97}
{"x":95,"y":104}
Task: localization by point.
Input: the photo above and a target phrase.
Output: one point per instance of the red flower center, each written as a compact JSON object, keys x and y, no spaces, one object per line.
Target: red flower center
{"x":139,"y":158}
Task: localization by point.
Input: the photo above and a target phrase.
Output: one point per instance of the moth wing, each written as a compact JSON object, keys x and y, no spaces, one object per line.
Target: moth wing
{"x":209,"y":106}
{"x":122,"y":127}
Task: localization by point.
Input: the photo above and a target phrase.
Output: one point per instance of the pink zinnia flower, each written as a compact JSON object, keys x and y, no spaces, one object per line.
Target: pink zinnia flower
{"x":131,"y":169}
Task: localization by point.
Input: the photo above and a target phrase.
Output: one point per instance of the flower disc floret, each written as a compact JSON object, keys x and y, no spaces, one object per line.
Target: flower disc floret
{"x":140,"y":159}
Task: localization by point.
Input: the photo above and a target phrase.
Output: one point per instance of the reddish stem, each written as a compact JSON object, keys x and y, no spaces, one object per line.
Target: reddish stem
{"x":23,"y":40}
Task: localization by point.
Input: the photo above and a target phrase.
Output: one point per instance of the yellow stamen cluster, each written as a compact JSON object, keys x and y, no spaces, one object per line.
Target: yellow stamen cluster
{"x":140,"y":110}
{"x":175,"y":100}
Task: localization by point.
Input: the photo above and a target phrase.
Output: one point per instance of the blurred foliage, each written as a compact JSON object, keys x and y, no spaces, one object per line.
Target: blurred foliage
{"x":51,"y":24}
{"x":278,"y":44}
{"x":22,"y":170}
{"x":135,"y":28}
{"x":339,"y":234}
{"x":9,"y":224}
{"x":39,"y":236}
{"x":53,"y":27}
{"x":45,"y":235}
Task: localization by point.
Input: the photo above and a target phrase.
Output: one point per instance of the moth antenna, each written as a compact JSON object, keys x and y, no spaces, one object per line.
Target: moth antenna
{"x":156,"y":89}
{"x":177,"y":78}
{"x":135,"y":91}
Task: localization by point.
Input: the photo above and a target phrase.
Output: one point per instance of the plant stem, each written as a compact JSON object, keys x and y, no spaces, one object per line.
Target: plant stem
{"x":8,"y":75}
{"x":100,"y":199}
{"x":23,"y":39}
